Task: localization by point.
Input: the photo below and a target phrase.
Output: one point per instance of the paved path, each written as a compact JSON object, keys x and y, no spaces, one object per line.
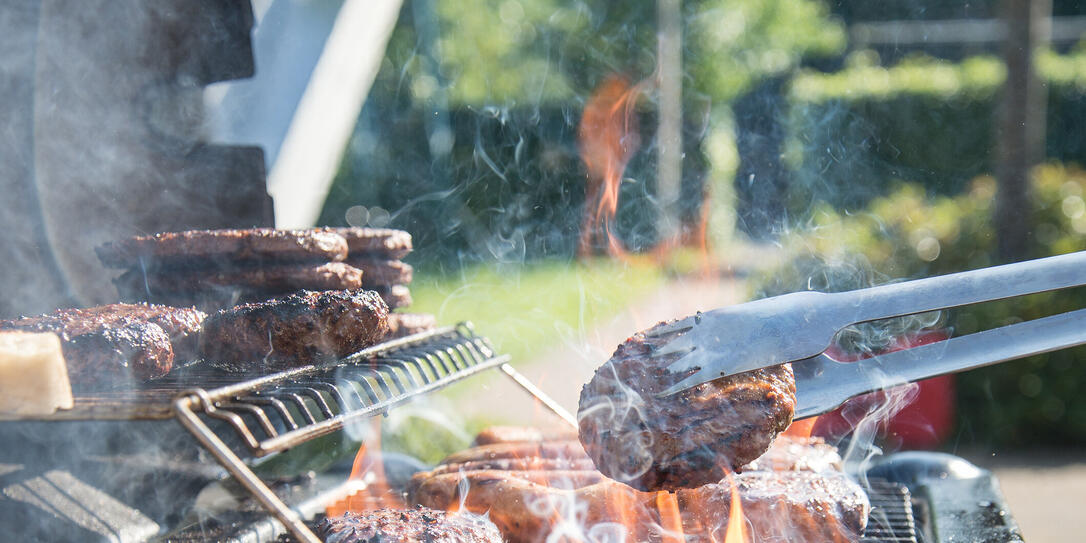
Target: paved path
{"x":1045,"y":491}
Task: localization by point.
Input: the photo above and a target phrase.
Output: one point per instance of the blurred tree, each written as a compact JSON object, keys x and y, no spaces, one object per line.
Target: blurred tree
{"x":1022,"y":122}
{"x":512,"y":62}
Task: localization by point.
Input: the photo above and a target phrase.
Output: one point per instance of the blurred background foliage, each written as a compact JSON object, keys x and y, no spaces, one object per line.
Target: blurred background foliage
{"x":852,"y":133}
{"x":469,"y":132}
{"x":879,"y":158}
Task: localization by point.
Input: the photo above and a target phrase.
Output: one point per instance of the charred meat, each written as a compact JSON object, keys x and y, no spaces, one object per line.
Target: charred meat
{"x":408,"y":526}
{"x":245,"y":279}
{"x":521,"y":434}
{"x":784,"y":506}
{"x":685,"y":440}
{"x":405,"y":324}
{"x":105,"y":344}
{"x":382,"y":242}
{"x":299,"y":328}
{"x":200,"y":248}
{"x":780,"y":506}
{"x":795,"y":492}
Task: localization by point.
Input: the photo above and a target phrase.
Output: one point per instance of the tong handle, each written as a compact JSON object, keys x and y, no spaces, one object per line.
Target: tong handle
{"x":822,"y":384}
{"x":967,"y":288}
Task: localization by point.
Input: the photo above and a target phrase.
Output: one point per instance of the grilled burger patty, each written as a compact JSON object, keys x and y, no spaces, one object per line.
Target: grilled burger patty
{"x":408,"y":526}
{"x":382,"y":242}
{"x":268,"y":278}
{"x":118,"y":341}
{"x":138,"y":350}
{"x":780,"y":506}
{"x":298,"y":328}
{"x":684,"y":440}
{"x":395,"y":296}
{"x":378,"y":272}
{"x":203,"y":248}
{"x":405,"y":324}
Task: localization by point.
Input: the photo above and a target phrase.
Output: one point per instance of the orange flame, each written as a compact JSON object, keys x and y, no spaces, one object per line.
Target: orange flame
{"x":671,"y":521}
{"x":736,"y":531}
{"x":608,"y":139}
{"x":371,"y":490}
{"x":801,"y":428}
{"x":701,"y":233}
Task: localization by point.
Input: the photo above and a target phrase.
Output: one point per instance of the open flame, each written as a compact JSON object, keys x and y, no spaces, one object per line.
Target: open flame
{"x":671,"y":521}
{"x":801,"y":428}
{"x":608,"y":139}
{"x":608,"y":136}
{"x":367,"y":485}
{"x":736,"y":531}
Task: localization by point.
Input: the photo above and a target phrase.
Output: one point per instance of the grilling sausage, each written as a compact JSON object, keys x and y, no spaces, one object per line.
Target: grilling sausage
{"x":408,"y":526}
{"x":784,"y":506}
{"x":557,"y":449}
{"x":521,"y":434}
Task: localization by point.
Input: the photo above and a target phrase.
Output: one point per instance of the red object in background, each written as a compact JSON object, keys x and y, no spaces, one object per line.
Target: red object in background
{"x":923,"y":424}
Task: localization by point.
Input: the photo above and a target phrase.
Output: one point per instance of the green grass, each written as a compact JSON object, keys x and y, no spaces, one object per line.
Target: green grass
{"x":525,"y":309}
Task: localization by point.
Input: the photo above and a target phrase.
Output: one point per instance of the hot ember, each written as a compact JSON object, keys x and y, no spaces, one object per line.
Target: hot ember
{"x":799,"y":494}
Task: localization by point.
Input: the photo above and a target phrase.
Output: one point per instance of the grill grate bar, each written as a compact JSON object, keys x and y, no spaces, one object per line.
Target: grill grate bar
{"x":891,"y":519}
{"x":272,"y":414}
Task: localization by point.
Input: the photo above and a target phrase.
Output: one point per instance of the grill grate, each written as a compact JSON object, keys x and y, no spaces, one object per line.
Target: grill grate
{"x":274,"y":414}
{"x":279,"y":411}
{"x":891,"y":519}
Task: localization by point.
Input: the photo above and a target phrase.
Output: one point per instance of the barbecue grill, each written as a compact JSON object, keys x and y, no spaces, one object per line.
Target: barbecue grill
{"x":49,"y":485}
{"x":238,"y":418}
{"x":239,"y":415}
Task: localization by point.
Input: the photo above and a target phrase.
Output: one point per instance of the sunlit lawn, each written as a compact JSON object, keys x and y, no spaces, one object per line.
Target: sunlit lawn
{"x":525,"y":308}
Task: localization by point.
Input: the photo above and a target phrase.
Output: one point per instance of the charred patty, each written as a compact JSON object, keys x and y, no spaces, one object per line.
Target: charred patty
{"x":297,"y":329}
{"x":119,"y":342}
{"x":685,"y":440}
{"x":206,"y":248}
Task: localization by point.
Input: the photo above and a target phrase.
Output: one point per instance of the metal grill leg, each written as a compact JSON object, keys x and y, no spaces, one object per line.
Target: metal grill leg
{"x":182,"y":407}
{"x":538,"y":394}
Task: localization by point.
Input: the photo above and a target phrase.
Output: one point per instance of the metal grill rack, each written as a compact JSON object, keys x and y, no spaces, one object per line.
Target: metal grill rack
{"x":276,"y":412}
{"x":238,"y":415}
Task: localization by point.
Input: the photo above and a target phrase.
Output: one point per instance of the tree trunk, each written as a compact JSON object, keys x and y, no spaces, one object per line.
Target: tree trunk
{"x":1022,"y":124}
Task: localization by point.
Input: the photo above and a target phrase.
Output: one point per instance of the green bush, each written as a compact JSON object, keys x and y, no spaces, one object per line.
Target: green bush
{"x":908,"y":234}
{"x":923,"y":120}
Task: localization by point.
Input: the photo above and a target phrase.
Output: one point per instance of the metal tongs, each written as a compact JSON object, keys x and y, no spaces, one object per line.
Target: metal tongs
{"x":798,"y":327}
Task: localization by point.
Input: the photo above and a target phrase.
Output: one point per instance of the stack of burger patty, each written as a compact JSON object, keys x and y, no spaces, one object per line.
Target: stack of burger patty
{"x":216,"y":269}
